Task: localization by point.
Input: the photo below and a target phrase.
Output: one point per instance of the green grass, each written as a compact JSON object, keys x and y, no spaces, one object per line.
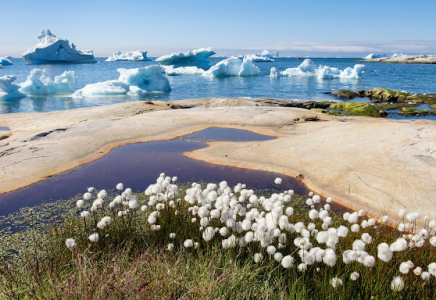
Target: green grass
{"x":130,"y":261}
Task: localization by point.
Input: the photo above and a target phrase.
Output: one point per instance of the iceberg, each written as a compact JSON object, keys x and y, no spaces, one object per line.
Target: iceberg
{"x":266,"y":53}
{"x":171,"y":71}
{"x":106,"y":88}
{"x":397,"y":55}
{"x":309,"y":68}
{"x":256,"y":58}
{"x":134,"y":55}
{"x":8,"y":89}
{"x":52,"y":49}
{"x":233,"y":66}
{"x":132,"y":82}
{"x":5,"y":61}
{"x":197,"y":58}
{"x":373,"y":56}
{"x":39,"y":84}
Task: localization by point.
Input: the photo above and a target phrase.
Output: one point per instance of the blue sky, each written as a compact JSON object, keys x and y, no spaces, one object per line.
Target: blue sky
{"x":316,"y":28}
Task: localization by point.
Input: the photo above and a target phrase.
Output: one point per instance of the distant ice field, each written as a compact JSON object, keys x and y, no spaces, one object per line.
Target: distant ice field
{"x":410,"y":78}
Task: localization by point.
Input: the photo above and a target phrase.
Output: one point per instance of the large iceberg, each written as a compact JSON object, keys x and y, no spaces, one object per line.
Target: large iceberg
{"x":39,"y":84}
{"x":309,"y":68}
{"x":52,"y":49}
{"x":8,"y":89}
{"x":5,"y":61}
{"x":266,"y":53}
{"x":233,"y":66}
{"x":134,"y":55}
{"x":131,"y":81}
{"x":197,"y":58}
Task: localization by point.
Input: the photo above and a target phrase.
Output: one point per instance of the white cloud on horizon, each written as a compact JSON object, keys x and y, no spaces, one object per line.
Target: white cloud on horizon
{"x":407,"y":46}
{"x":352,"y":49}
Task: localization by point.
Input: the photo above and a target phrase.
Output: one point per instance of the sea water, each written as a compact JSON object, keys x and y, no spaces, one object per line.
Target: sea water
{"x":404,"y":77}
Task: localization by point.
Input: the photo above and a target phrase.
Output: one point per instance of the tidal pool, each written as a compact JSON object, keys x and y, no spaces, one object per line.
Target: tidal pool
{"x":138,"y":165}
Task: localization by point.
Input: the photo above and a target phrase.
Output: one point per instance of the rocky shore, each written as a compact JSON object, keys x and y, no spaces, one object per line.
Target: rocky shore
{"x":404,"y":59}
{"x":372,"y":163}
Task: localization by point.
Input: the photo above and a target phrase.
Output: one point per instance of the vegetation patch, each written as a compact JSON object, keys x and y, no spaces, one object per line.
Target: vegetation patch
{"x":209,"y":241}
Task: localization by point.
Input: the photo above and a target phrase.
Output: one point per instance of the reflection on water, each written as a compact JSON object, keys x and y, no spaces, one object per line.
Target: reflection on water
{"x":138,"y":165}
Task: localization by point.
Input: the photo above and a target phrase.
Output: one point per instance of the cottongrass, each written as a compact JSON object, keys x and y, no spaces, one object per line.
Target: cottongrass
{"x":293,"y":242}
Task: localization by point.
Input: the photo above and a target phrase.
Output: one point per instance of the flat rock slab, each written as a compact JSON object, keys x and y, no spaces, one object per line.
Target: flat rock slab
{"x":377,"y":164}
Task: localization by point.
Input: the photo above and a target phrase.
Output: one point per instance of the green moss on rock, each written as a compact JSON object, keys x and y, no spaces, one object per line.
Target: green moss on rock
{"x":357,"y":109}
{"x":406,"y":111}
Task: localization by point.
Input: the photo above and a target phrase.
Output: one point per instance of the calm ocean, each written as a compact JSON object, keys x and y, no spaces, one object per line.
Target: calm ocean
{"x":410,"y":78}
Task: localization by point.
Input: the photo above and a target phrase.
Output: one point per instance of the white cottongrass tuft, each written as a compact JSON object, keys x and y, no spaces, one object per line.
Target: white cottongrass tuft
{"x":258,"y":257}
{"x":120,"y":186}
{"x":397,"y":284}
{"x":278,"y":257}
{"x":79,"y":203}
{"x":87,"y":196}
{"x":336,"y":282}
{"x":188,"y":243}
{"x":170,"y":247}
{"x":278,"y":181}
{"x":94,"y":237}
{"x":287,"y":262}
{"x":354,"y":276}
{"x":172,"y":235}
{"x":70,"y":243}
{"x":384,"y":252}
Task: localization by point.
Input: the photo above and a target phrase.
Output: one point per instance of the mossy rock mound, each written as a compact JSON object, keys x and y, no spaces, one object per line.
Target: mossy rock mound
{"x":357,"y":109}
{"x":387,"y":95}
{"x":406,"y":111}
{"x":344,"y":94}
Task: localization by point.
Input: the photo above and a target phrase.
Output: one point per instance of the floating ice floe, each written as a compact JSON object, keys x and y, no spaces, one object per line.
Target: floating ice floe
{"x":233,"y":66}
{"x":256,"y":58}
{"x":52,"y":49}
{"x":373,"y":56}
{"x":8,"y":89}
{"x":197,"y":58}
{"x":133,"y":82}
{"x":266,"y":53}
{"x":134,"y":55}
{"x":309,"y":68}
{"x":171,"y":71}
{"x":39,"y":84}
{"x":5,"y":61}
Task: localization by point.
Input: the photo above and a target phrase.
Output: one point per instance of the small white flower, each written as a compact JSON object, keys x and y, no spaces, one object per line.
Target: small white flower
{"x":170,"y":247}
{"x":172,"y":235}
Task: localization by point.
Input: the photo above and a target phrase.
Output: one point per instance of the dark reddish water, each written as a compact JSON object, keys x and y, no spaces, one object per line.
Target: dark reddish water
{"x":138,"y":165}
